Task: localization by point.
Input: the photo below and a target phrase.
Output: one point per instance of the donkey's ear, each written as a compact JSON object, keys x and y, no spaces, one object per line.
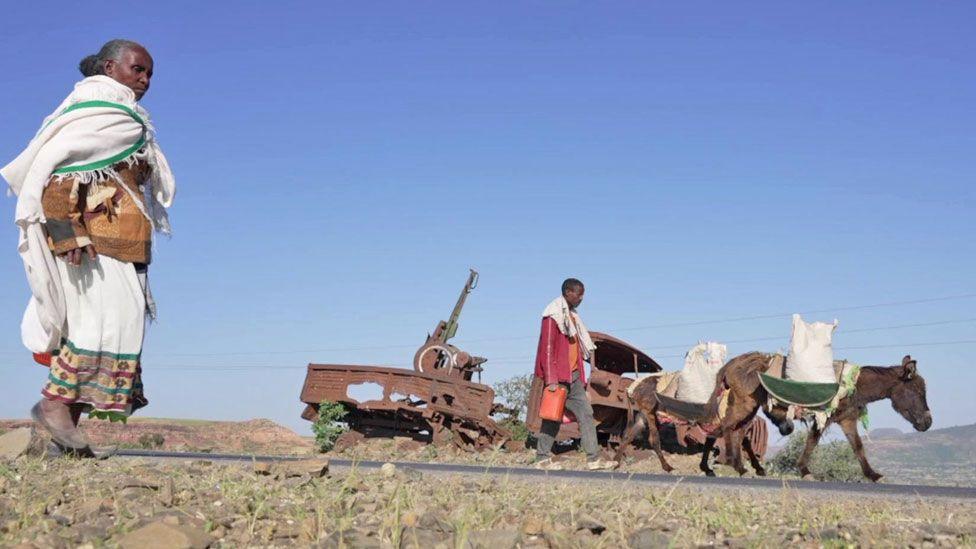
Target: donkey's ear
{"x":909,"y":368}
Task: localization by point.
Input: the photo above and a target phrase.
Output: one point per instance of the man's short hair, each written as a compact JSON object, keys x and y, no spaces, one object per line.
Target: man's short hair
{"x":572,"y":284}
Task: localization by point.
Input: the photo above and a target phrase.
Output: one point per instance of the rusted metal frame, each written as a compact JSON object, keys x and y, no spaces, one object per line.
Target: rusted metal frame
{"x":442,"y":404}
{"x":464,"y":397}
{"x":630,"y":406}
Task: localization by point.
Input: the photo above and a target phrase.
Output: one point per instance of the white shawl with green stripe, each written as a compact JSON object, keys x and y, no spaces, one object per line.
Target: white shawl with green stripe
{"x":97,"y":126}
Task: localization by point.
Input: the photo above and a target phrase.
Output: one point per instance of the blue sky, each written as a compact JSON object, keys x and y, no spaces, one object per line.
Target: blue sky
{"x":340,"y":166}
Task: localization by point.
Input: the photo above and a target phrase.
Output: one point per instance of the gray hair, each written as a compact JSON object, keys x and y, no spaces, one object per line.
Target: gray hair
{"x":95,"y":64}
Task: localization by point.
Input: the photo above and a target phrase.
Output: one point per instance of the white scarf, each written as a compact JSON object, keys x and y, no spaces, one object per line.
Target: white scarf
{"x":570,"y":324}
{"x":97,"y":126}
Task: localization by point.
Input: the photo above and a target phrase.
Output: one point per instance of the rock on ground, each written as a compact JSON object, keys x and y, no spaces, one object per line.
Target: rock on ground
{"x":314,"y":468}
{"x":164,"y":535}
{"x":16,"y":443}
{"x":498,"y":538}
{"x":648,"y":538}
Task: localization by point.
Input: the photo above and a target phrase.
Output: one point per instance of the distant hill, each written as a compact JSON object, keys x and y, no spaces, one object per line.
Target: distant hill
{"x":942,"y":456}
{"x":257,"y":436}
{"x":887,"y":432}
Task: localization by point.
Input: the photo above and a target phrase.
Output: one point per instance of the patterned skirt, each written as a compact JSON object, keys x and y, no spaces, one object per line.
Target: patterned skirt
{"x":98,"y":363}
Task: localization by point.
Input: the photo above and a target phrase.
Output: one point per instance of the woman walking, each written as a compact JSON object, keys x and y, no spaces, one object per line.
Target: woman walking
{"x":91,"y":188}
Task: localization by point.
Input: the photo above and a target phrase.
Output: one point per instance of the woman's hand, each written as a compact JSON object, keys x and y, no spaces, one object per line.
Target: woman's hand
{"x":73,"y":257}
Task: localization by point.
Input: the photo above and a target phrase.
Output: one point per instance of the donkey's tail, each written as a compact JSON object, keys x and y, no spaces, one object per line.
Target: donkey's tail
{"x":715,"y":400}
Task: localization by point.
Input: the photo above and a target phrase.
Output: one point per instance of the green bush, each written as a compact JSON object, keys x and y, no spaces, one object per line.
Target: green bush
{"x":830,"y":461}
{"x":514,"y":392}
{"x":151,"y":441}
{"x":517,"y":427}
{"x":430,"y":452}
{"x":329,"y":425}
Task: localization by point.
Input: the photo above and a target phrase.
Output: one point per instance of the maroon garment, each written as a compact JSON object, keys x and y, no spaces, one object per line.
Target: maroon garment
{"x":552,"y":358}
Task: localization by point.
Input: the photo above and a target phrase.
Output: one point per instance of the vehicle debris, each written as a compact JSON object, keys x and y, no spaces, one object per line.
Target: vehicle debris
{"x":436,"y":403}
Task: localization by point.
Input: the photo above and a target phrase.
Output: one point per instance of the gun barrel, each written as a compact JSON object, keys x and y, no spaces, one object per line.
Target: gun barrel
{"x":452,"y":323}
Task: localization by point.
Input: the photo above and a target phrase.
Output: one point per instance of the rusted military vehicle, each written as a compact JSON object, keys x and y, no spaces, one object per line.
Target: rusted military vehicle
{"x":436,"y":402}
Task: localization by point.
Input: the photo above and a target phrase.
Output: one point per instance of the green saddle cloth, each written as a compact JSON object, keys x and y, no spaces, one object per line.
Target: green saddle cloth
{"x":801,"y":393}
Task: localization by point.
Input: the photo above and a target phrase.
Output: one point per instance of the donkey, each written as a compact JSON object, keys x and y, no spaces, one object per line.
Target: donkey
{"x":644,"y":396}
{"x":740,"y":376}
{"x":902,"y":384}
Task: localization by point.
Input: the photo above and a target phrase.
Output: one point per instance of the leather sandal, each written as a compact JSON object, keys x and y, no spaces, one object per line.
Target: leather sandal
{"x":55,"y":450}
{"x":104,"y":452}
{"x":68,"y":439}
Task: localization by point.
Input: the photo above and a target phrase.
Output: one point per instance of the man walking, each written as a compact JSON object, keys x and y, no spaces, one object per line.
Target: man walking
{"x":564,"y":345}
{"x":91,"y":188}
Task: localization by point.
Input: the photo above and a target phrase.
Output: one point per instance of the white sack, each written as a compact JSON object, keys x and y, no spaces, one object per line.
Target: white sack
{"x":811,"y":356}
{"x":697,"y":379}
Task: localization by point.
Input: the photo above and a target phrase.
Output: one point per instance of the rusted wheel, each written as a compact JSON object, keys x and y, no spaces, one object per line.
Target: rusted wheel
{"x":434,"y":356}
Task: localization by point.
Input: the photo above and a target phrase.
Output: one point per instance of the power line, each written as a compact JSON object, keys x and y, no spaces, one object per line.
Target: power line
{"x":918,"y":325}
{"x":762,"y":317}
{"x":748,"y":340}
{"x":906,"y":345}
{"x":274,"y":366}
{"x":858,"y":330}
{"x":787,"y":315}
{"x":656,"y":326}
{"x":514,"y":360}
{"x":332,"y":350}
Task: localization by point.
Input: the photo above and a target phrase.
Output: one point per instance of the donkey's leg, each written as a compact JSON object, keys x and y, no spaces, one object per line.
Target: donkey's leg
{"x":753,"y":458}
{"x":654,"y":439}
{"x":706,"y":455}
{"x":740,"y":409}
{"x":630,"y":433}
{"x":729,"y":452}
{"x":849,"y":425}
{"x":813,"y":438}
{"x":733,"y":443}
{"x":735,"y":439}
{"x":732,"y":450}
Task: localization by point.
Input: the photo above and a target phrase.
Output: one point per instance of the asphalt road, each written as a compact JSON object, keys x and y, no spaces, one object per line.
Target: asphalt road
{"x":703,"y":482}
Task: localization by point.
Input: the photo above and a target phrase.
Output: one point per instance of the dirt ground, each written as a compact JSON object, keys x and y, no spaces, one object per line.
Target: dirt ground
{"x":255,"y":436}
{"x":66,"y":502}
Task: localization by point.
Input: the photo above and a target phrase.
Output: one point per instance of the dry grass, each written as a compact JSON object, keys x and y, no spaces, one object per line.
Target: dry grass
{"x":52,"y":503}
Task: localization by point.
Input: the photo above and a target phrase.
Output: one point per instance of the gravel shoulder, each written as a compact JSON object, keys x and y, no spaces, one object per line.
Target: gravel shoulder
{"x":64,"y":502}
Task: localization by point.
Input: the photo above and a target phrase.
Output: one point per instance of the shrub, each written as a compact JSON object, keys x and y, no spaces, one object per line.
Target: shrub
{"x":514,"y":392}
{"x":831,"y":461}
{"x":329,"y":426}
{"x":517,"y":427}
{"x":151,"y":441}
